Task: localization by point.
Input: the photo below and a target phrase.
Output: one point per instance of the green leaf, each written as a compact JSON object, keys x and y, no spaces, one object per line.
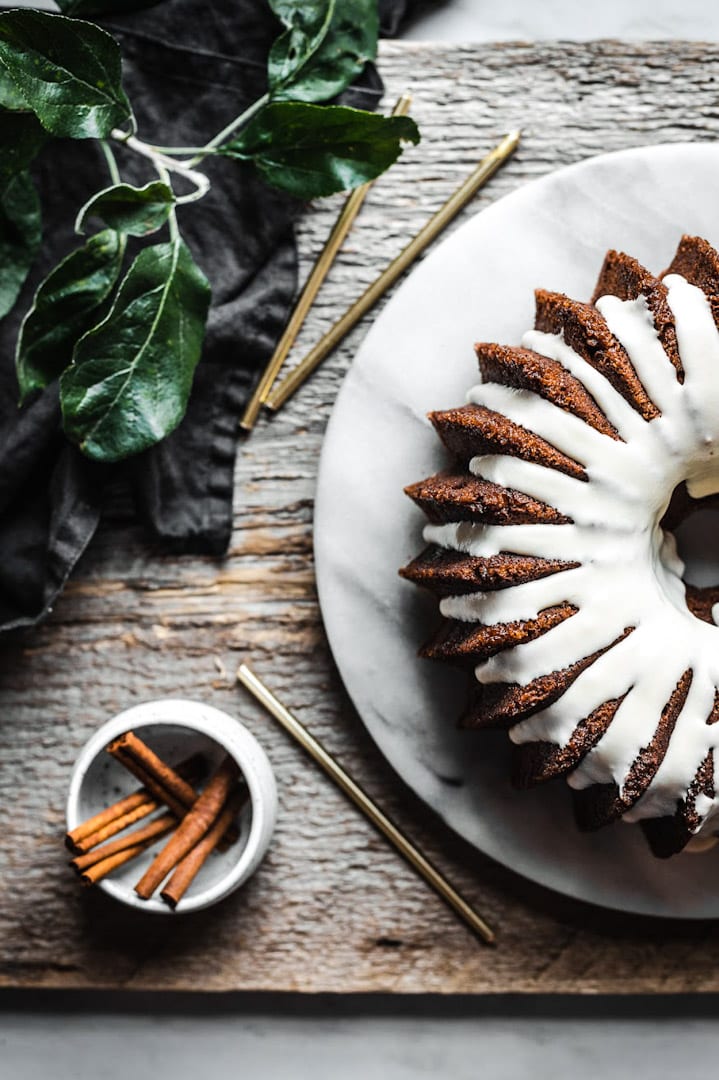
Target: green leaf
{"x":307,"y":25}
{"x":131,"y":376}
{"x":67,"y":71}
{"x":312,"y":150}
{"x":10,"y":96}
{"x":21,"y":136}
{"x":102,"y":7}
{"x":65,"y":306}
{"x":20,"y":235}
{"x":325,"y":46}
{"x":131,"y":210}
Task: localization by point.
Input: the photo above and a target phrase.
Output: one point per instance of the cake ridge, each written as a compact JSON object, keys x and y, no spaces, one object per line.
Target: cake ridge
{"x":473,"y":430}
{"x":584,"y":329}
{"x":538,"y":762}
{"x":448,"y":573}
{"x":524,"y":369}
{"x":624,"y":277}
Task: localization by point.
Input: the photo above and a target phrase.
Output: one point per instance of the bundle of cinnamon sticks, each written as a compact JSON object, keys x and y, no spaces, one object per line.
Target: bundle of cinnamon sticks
{"x":195,"y":823}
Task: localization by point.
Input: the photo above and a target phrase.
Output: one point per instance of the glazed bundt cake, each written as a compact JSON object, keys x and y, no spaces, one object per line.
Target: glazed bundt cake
{"x":551,"y":546}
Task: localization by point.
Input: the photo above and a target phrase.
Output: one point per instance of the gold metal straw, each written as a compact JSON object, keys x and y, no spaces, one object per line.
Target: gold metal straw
{"x":486,"y":169}
{"x":369,"y":808}
{"x":314,"y":281}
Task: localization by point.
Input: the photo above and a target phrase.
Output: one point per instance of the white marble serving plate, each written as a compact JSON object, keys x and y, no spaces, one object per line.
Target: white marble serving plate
{"x":478,"y":285}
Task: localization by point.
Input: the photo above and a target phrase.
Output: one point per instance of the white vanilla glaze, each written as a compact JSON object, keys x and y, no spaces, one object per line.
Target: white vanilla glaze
{"x":630,"y":573}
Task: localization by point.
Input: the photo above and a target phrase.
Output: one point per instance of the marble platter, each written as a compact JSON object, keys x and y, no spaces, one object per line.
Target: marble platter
{"x":478,"y":285}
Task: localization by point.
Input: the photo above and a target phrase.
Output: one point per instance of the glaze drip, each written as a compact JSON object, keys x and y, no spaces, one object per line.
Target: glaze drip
{"x":629,"y":572}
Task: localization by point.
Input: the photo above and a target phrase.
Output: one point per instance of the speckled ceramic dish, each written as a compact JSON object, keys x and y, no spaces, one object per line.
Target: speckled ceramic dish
{"x":175,"y":729}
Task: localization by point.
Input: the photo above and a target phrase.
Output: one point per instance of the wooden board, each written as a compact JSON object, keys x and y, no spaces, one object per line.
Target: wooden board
{"x":332,"y":908}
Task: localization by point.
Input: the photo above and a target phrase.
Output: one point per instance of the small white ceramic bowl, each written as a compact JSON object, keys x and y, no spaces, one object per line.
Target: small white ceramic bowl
{"x":175,"y":729}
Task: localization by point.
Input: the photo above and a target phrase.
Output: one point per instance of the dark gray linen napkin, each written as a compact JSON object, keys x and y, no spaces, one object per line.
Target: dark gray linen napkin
{"x":189,"y":67}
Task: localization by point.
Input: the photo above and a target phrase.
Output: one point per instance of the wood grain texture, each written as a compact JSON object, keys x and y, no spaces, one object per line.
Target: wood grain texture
{"x":332,"y":908}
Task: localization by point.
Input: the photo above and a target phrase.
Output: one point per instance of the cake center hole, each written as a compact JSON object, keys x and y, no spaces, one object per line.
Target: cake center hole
{"x":697,"y":540}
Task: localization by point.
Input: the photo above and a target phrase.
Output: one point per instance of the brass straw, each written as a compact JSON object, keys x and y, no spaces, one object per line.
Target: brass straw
{"x":307,"y":297}
{"x":369,"y":808}
{"x":486,"y":169}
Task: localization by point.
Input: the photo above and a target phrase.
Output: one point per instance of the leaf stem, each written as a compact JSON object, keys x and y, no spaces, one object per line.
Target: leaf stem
{"x":238,"y":122}
{"x":158,"y":159}
{"x":172,"y":217}
{"x":172,"y":222}
{"x":179,"y":151}
{"x":116,"y":179}
{"x":111,"y":162}
{"x":162,"y":156}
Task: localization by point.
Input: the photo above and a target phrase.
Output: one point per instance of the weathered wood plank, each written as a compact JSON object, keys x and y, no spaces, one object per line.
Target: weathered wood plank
{"x":332,"y":908}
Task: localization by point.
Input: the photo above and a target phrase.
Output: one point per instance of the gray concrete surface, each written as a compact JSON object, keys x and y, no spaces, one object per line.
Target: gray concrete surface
{"x":332,"y":1039}
{"x":488,"y":20}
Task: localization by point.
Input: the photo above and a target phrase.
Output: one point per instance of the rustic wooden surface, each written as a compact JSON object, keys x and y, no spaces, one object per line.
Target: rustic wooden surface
{"x":332,"y":908}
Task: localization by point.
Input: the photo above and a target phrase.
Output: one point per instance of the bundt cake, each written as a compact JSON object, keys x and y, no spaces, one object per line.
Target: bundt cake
{"x":551,"y":546}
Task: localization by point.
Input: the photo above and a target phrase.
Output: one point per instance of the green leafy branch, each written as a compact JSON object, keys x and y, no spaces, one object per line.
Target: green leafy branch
{"x":125,"y":346}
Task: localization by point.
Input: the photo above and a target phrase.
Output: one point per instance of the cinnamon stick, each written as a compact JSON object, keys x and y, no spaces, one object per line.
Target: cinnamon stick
{"x":116,"y":826}
{"x":154,"y":829}
{"x":110,"y":821}
{"x":191,"y":829}
{"x":99,"y":870}
{"x":167,"y":785}
{"x":161,"y":780}
{"x":125,"y":812}
{"x":188,"y":868}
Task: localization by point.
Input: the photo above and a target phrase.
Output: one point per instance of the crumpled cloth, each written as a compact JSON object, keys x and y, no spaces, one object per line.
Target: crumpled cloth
{"x":189,"y":67}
